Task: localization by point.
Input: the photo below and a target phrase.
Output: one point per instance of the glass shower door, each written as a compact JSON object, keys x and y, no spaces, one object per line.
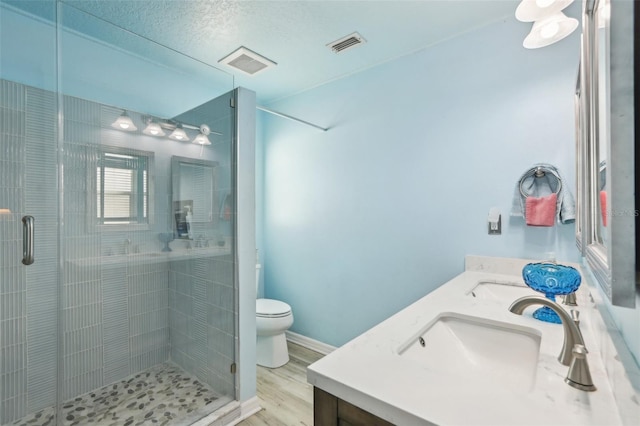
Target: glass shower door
{"x":142,"y":305}
{"x":29,"y":212}
{"x":104,"y":315}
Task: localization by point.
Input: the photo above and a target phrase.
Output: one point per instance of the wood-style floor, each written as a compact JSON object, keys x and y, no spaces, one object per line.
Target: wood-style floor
{"x":285,"y":396}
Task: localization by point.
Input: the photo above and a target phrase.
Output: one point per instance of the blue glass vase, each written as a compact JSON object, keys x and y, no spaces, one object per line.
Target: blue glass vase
{"x":552,"y":280}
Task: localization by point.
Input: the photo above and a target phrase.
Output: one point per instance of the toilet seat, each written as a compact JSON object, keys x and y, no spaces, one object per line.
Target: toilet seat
{"x":269,"y":308}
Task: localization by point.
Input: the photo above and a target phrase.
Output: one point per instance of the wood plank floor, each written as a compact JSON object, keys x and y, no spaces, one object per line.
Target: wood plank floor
{"x":285,"y":396}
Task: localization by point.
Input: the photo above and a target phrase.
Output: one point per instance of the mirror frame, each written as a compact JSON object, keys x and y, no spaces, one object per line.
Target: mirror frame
{"x":613,"y":264}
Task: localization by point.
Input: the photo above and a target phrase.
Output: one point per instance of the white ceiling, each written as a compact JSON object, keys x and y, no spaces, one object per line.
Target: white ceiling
{"x":294,"y":34}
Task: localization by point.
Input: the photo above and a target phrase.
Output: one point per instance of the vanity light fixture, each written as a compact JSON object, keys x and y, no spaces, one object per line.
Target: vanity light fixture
{"x":179,"y":134}
{"x":202,"y":138}
{"x":125,"y":123}
{"x":153,"y":129}
{"x":159,"y":127}
{"x":536,"y":10}
{"x":550,"y":30}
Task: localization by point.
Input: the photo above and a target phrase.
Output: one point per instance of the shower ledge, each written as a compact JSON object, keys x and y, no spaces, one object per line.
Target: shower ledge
{"x":148,"y":258}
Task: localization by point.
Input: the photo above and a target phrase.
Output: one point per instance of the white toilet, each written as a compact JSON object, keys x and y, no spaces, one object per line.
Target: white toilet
{"x":273,"y":318}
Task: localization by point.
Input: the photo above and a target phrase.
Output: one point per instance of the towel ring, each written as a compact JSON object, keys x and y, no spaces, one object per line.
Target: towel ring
{"x":538,"y":172}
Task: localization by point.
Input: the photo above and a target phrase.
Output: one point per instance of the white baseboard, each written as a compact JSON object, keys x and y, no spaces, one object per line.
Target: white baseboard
{"x":247,"y":409}
{"x":309,"y":343}
{"x":250,"y":407}
{"x":231,"y":414}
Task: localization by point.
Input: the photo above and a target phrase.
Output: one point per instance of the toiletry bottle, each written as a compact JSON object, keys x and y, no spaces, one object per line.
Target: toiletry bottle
{"x":189,"y":217}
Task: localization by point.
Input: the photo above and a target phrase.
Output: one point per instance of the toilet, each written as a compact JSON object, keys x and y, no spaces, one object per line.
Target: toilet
{"x":273,"y":318}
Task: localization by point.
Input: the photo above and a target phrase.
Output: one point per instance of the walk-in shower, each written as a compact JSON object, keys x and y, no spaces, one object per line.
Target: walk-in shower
{"x":128,"y":313}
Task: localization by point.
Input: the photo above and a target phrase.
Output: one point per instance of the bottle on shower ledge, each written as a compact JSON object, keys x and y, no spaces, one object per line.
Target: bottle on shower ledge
{"x":189,"y":217}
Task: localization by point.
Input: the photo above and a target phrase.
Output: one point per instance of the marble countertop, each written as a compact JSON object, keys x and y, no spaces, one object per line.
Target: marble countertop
{"x":369,"y":372}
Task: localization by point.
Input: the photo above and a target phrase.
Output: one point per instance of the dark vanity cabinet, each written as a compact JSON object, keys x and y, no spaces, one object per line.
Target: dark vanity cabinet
{"x":329,"y":410}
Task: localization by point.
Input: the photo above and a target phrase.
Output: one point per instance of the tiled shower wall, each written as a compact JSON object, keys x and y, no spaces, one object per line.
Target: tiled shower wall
{"x":202,"y":320}
{"x":28,"y":311}
{"x":116,"y":317}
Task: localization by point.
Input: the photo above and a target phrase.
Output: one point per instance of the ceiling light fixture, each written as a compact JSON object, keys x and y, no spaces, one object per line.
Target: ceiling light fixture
{"x":179,"y":134}
{"x":536,"y":10}
{"x":153,"y":129}
{"x":125,"y":123}
{"x":550,"y":30}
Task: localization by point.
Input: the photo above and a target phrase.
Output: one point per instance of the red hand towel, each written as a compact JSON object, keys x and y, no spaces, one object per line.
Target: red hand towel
{"x":541,"y":211}
{"x":603,"y":207}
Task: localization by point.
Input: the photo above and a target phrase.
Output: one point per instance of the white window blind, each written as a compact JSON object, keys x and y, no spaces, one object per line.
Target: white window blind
{"x":122,"y":189}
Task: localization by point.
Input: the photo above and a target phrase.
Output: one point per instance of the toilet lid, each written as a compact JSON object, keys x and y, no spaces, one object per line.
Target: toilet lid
{"x":272,"y":308}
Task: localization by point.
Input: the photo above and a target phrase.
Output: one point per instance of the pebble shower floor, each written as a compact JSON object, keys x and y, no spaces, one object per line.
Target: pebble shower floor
{"x":161,"y":395}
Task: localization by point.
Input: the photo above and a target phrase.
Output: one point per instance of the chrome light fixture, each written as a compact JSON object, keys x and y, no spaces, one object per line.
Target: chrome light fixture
{"x":550,"y":30}
{"x":125,"y":123}
{"x":535,"y":10}
{"x":153,"y":129}
{"x":179,"y":134}
{"x":202,"y":138}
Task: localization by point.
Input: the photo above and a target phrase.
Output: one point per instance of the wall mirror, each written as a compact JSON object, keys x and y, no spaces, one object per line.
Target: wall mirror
{"x":605,"y":154}
{"x":194,"y":200}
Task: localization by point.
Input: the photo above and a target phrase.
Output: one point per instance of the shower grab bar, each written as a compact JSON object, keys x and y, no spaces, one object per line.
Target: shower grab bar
{"x":27,"y":240}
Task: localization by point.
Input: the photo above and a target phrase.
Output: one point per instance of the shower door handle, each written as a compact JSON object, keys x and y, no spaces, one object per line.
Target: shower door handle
{"x":27,"y":240}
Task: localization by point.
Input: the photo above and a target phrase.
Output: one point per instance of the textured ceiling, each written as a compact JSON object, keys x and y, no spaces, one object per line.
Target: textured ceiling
{"x":294,"y":33}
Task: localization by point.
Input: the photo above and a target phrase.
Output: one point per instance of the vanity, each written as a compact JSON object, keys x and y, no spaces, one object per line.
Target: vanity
{"x":459,"y":356}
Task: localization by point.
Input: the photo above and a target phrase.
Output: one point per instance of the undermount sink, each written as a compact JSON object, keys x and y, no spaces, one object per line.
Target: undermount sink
{"x":486,"y":290}
{"x":477,"y":351}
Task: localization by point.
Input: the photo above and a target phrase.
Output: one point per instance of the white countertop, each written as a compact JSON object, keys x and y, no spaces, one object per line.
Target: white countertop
{"x":150,"y":257}
{"x":369,"y":373}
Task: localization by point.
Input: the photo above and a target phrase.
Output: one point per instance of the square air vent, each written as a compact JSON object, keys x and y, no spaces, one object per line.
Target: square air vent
{"x":247,"y":61}
{"x":346,"y":42}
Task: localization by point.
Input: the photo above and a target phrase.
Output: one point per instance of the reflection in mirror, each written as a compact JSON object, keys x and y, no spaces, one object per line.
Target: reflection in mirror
{"x":606,"y":149}
{"x":194,"y":197}
{"x":602,"y":94}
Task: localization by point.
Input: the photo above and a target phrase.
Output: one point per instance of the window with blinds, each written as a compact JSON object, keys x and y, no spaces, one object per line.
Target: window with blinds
{"x":122,"y":189}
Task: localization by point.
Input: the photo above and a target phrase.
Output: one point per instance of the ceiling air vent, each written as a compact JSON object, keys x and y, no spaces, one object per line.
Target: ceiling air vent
{"x":247,"y":61}
{"x":347,"y":42}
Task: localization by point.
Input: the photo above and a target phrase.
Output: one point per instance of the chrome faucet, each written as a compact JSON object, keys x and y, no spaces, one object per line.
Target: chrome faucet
{"x":573,"y":351}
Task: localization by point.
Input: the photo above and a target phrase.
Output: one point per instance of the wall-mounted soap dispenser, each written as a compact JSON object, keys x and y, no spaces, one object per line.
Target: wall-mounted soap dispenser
{"x":495,"y":221}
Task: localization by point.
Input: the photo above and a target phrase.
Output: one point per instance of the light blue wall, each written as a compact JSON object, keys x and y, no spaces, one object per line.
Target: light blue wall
{"x":366,"y":218}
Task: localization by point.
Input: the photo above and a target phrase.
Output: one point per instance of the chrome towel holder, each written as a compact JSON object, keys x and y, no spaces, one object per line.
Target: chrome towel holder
{"x":538,"y":172}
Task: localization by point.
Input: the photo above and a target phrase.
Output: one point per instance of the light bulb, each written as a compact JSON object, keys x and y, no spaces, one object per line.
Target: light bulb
{"x":125,"y":123}
{"x":179,"y":134}
{"x":153,"y":129}
{"x":202,"y":139}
